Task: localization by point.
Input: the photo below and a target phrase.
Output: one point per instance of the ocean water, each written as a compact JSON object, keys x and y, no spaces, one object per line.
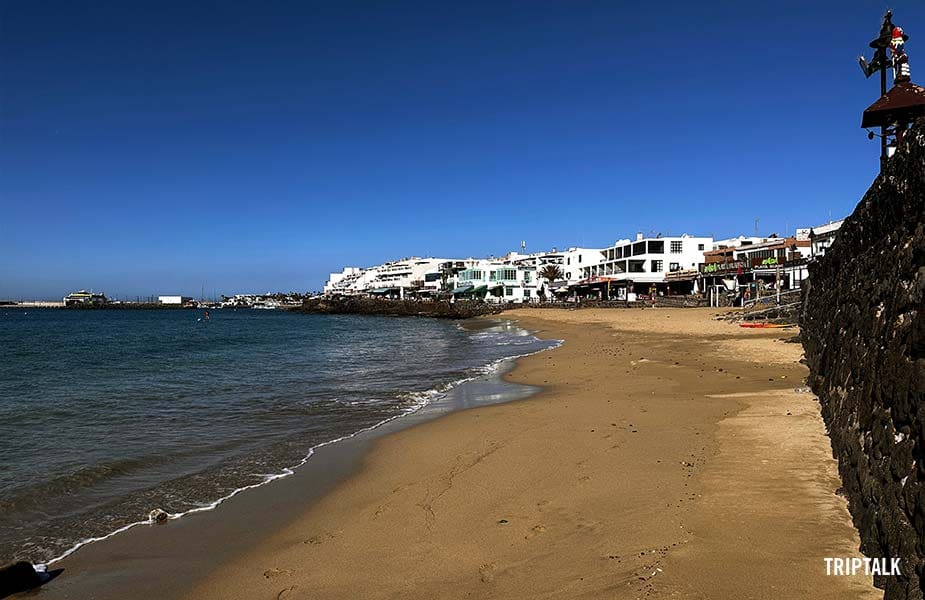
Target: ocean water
{"x":106,"y":415}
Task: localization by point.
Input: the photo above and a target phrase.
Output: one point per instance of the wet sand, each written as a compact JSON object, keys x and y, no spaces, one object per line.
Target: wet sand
{"x":166,"y":561}
{"x":669,"y":455}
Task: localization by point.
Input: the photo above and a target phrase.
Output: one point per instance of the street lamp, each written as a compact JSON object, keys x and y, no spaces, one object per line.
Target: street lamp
{"x":901,"y":105}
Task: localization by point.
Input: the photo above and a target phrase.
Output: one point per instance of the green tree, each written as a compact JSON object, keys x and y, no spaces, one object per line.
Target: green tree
{"x":551,"y":273}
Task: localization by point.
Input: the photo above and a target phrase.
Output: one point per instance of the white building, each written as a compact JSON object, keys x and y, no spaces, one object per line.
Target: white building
{"x":655,"y":264}
{"x":441,"y":280}
{"x":496,"y":281}
{"x":350,"y":281}
{"x":742,"y":240}
{"x":400,"y":278}
{"x":395,"y":279}
{"x":342,"y":280}
{"x":173,"y":300}
{"x":821,"y":237}
{"x":578,"y":262}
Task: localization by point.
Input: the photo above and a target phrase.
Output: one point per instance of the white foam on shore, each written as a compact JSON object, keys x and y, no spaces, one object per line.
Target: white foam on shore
{"x":422,"y":399}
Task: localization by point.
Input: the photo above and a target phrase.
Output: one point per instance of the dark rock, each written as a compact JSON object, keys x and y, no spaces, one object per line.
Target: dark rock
{"x":20,"y":577}
{"x":158,"y":516}
{"x":862,"y":329}
{"x":361,"y":305}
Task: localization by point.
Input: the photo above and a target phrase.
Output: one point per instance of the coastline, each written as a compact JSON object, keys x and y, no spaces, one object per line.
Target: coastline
{"x":698,"y":470}
{"x":133,"y":559}
{"x":678,"y":472}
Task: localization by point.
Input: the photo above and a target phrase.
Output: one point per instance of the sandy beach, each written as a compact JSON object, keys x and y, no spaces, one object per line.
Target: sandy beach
{"x":668,"y":455}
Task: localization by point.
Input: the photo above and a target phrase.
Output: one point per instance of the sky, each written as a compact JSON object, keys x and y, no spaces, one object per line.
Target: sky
{"x":171,"y":147}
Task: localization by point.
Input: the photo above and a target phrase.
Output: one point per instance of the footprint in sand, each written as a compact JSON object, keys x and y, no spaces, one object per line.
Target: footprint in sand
{"x":487,"y":572}
{"x":319,"y":539}
{"x":271,"y":573}
{"x":536,"y":530}
{"x":285,"y":593}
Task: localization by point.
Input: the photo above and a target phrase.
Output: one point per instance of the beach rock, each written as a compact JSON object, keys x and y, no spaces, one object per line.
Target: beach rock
{"x":361,"y":305}
{"x":20,"y":577}
{"x":158,"y":516}
{"x":863,"y":329}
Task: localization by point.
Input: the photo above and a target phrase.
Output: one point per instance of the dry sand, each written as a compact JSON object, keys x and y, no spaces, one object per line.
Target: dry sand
{"x":668,"y":456}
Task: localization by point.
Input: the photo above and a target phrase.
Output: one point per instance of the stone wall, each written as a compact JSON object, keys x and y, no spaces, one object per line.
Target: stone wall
{"x":864,"y":335}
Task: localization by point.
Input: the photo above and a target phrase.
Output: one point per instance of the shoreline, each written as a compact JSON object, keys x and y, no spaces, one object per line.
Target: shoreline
{"x":98,"y":567}
{"x":688,"y":478}
{"x":626,"y":494}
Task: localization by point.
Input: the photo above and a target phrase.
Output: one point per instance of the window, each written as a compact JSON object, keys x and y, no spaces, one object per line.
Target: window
{"x":508,"y":291}
{"x":676,"y":247}
{"x":526,"y":293}
{"x":657,"y":266}
{"x":637,"y":266}
{"x":579,"y":258}
{"x":674,"y":267}
{"x":656,"y":247}
{"x":700,"y":247}
{"x":639,"y":248}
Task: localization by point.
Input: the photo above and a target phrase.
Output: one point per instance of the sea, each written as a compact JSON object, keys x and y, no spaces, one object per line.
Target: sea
{"x":106,"y":415}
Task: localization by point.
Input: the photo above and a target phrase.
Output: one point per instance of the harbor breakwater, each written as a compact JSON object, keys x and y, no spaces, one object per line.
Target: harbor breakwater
{"x":864,"y":336}
{"x":355,"y":305}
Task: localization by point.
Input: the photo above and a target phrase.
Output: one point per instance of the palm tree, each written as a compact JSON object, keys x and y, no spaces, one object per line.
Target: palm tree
{"x":551,"y":273}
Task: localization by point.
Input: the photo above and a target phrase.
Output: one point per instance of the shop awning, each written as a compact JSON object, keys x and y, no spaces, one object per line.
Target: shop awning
{"x":480,"y":289}
{"x":463,"y":289}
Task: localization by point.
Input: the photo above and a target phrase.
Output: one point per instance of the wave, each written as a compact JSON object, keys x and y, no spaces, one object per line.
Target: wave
{"x":417,"y":401}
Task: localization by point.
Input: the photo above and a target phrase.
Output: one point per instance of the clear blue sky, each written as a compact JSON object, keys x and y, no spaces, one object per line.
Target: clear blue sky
{"x":157,"y":147}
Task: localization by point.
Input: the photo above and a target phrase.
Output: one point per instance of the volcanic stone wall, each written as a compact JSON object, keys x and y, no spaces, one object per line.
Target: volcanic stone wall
{"x":864,"y":335}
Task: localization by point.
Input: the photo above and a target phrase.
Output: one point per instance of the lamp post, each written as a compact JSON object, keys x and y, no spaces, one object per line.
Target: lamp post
{"x":880,"y":62}
{"x":899,"y":107}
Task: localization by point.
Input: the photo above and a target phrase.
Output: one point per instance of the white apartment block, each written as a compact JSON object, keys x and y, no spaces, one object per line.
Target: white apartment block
{"x":649,"y":260}
{"x":579,"y":261}
{"x":340,"y":282}
{"x":496,"y":281}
